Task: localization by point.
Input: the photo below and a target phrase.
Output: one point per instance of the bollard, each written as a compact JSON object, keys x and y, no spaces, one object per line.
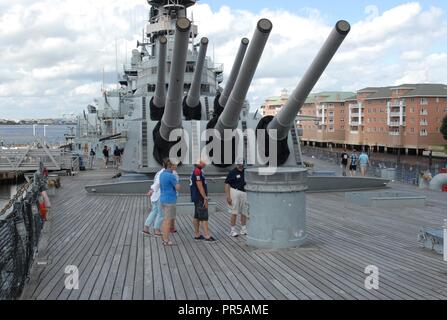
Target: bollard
{"x":277,"y":207}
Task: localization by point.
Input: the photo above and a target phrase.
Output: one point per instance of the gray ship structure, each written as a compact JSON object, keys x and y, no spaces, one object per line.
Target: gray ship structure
{"x":171,"y":98}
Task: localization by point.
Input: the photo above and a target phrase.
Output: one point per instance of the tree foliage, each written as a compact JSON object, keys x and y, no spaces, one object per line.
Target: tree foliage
{"x":444,"y":127}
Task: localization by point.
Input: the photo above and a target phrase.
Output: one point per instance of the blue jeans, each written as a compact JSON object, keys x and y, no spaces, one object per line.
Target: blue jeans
{"x":155,"y":217}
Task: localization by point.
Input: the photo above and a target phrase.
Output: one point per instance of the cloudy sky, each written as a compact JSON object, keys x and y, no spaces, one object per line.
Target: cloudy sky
{"x":53,"y":52}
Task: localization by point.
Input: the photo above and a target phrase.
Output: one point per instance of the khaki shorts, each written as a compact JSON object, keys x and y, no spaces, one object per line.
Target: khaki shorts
{"x":239,"y":199}
{"x":169,"y":211}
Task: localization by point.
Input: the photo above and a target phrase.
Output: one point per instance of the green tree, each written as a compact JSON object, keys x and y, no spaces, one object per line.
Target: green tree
{"x":444,"y":127}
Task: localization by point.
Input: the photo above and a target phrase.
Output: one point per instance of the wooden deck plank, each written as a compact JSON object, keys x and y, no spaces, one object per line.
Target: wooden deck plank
{"x":75,"y":247}
{"x":101,"y":235}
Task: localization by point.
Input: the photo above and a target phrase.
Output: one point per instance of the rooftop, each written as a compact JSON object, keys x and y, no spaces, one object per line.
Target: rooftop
{"x":408,"y":90}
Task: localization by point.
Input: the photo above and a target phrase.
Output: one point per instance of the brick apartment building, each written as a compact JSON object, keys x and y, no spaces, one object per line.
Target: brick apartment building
{"x":384,"y":119}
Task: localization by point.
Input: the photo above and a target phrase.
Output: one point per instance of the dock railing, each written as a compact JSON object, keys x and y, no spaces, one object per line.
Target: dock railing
{"x":389,"y":169}
{"x":20,"y":229}
{"x":26,"y":160}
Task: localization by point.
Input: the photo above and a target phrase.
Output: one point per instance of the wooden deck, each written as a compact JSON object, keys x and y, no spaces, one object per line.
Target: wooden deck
{"x":101,"y":235}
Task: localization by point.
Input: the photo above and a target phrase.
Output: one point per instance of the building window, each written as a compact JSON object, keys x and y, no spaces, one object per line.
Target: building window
{"x":437,"y":100}
{"x":412,"y":130}
{"x":190,"y":67}
{"x":424,"y":101}
{"x":151,"y":88}
{"x":205,"y":88}
{"x":424,"y":132}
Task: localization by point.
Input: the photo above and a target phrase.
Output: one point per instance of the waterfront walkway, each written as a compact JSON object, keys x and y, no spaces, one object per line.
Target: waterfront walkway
{"x":101,"y":236}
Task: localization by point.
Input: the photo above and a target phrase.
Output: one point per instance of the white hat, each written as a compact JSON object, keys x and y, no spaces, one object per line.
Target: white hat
{"x":239,"y":161}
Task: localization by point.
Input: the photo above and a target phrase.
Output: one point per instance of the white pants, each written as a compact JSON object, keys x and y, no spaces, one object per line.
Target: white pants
{"x":239,"y":199}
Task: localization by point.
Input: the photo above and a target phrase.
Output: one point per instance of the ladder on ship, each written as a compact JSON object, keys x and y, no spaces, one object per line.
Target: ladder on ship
{"x":296,"y":146}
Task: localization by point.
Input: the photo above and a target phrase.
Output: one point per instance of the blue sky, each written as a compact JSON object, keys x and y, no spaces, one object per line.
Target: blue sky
{"x":352,"y":10}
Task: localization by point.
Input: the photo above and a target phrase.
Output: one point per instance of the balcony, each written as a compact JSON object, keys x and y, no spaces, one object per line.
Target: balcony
{"x":396,"y":123}
{"x":355,"y":123}
{"x":397,"y":104}
{"x":423,"y":123}
{"x":394,"y":133}
{"x":394,"y":114}
{"x":423,"y":113}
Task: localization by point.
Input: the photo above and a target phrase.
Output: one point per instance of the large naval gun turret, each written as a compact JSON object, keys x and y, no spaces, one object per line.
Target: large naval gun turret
{"x":197,"y":118}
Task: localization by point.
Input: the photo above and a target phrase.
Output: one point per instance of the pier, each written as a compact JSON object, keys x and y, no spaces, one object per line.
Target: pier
{"x":101,"y":236}
{"x":28,"y":159}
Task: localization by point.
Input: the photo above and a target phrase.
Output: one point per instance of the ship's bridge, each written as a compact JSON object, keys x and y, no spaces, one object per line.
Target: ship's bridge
{"x":166,"y":24}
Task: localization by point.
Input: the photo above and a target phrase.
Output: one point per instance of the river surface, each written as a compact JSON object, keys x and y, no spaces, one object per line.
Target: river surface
{"x":23,"y":134}
{"x":6,"y":193}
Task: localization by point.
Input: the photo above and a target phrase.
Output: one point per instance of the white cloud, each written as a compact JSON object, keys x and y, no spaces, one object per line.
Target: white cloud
{"x":53,"y":51}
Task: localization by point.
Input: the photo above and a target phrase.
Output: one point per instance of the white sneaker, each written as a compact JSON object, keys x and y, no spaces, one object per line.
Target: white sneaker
{"x":234,"y":233}
{"x":244,"y":231}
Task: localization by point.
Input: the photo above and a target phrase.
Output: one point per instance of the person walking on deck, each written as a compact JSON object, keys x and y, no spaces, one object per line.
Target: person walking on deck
{"x":344,"y":162}
{"x":155,"y":217}
{"x":364,"y":162}
{"x":105,"y":153}
{"x":353,"y":163}
{"x":199,"y":195}
{"x":237,"y":198}
{"x":169,"y":186}
{"x":92,"y":159}
{"x":117,"y":156}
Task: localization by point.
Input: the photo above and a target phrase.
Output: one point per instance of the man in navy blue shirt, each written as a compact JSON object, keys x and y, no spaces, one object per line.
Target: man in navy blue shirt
{"x":199,"y":195}
{"x":169,"y":185}
{"x":237,"y":198}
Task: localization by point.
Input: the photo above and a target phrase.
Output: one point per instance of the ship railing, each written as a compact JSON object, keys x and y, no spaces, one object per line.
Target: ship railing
{"x":20,"y":230}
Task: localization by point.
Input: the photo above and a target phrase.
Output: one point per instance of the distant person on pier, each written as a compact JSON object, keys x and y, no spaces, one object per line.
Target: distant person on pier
{"x":344,"y":162}
{"x":169,"y":186}
{"x":105,"y":153}
{"x":353,"y":159}
{"x":92,"y":158}
{"x":237,"y":197}
{"x":199,"y":195}
{"x":364,"y":162}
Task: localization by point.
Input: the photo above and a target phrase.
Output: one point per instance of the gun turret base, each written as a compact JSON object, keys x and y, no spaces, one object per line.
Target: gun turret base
{"x":282,"y":146}
{"x":192,"y":113}
{"x":156,"y":112}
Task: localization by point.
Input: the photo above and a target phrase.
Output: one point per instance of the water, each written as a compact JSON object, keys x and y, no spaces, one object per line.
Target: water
{"x":6,"y":193}
{"x":23,"y":134}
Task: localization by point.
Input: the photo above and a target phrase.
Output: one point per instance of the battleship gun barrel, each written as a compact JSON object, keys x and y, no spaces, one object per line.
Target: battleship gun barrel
{"x":230,"y":115}
{"x":191,"y":106}
{"x":160,"y":89}
{"x":234,"y":73}
{"x":172,"y":117}
{"x":286,"y":117}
